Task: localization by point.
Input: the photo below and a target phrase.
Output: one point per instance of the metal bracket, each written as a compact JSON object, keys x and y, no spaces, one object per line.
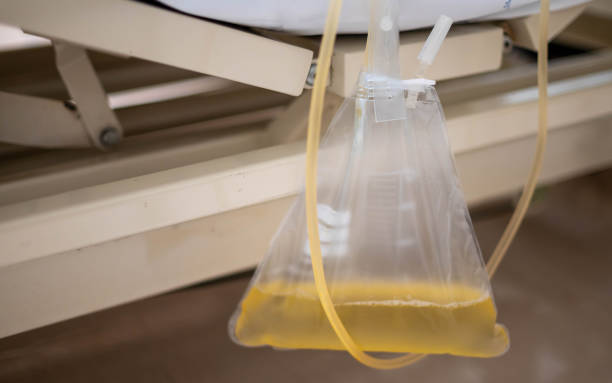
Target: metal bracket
{"x":83,"y":84}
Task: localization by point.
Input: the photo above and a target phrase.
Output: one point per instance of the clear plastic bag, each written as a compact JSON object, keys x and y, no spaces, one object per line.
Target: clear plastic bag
{"x":401,"y":259}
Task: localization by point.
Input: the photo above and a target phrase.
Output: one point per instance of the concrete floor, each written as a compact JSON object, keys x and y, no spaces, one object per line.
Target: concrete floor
{"x":553,"y":292}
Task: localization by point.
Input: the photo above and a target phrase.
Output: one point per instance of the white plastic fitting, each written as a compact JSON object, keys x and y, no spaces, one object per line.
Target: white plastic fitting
{"x":434,"y":41}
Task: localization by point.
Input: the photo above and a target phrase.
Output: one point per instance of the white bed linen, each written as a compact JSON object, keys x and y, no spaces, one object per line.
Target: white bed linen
{"x":308,"y":16}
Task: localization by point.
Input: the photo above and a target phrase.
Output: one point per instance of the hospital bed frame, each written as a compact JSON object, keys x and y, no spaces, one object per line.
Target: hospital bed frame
{"x":85,"y":238}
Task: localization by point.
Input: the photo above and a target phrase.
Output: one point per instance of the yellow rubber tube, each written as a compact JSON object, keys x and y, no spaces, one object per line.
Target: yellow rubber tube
{"x":312,"y":145}
{"x":532,"y":179}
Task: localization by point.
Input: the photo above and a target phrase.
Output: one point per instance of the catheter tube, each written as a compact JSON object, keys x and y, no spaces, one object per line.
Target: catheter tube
{"x":536,"y":167}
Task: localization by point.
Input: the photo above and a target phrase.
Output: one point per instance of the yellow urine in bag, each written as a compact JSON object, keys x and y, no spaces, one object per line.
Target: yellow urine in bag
{"x":415,"y":317}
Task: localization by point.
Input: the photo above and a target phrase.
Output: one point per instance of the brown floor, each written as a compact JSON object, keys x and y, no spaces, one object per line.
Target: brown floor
{"x":554,"y":293}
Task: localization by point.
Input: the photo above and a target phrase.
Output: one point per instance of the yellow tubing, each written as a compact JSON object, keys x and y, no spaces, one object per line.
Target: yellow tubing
{"x":536,"y":167}
{"x":312,"y":145}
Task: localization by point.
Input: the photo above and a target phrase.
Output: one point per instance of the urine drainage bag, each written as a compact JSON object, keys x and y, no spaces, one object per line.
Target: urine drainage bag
{"x":401,"y":259}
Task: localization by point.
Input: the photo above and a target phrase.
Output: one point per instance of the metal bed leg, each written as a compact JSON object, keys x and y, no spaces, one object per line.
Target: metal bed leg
{"x":83,"y":84}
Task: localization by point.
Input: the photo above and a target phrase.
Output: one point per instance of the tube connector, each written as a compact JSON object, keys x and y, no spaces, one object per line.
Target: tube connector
{"x":433,"y":43}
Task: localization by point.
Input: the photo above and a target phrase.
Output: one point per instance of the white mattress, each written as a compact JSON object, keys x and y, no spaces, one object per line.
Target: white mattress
{"x":308,"y":16}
